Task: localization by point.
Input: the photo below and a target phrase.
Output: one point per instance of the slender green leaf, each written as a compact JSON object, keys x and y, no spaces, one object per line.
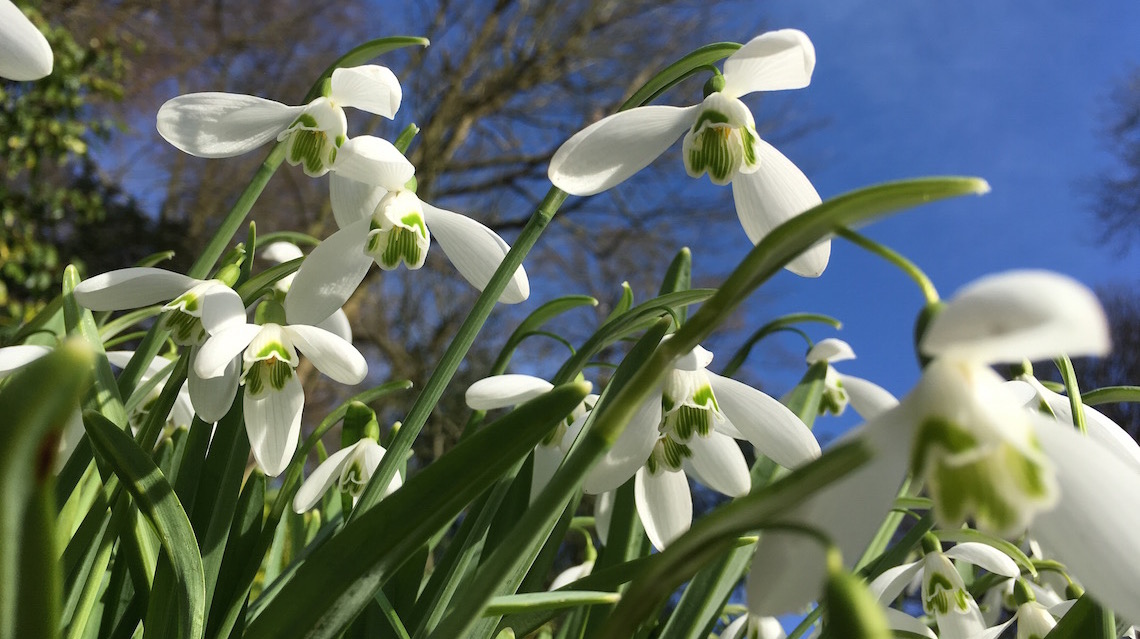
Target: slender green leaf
{"x":556,"y":600}
{"x":1112,"y":395}
{"x":36,"y":403}
{"x":536,"y":321}
{"x":1085,"y":620}
{"x":79,"y":319}
{"x":624,"y":303}
{"x":157,"y":500}
{"x":704,"y":598}
{"x":340,"y":577}
{"x":679,"y":277}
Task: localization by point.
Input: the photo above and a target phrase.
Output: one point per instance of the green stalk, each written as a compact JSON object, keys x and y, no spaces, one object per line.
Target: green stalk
{"x":906,"y":266}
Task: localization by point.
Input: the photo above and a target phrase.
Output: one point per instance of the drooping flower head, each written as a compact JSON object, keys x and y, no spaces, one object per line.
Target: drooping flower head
{"x":720,"y":140}
{"x":221,"y":125}
{"x":349,"y":469}
{"x":382,"y":221}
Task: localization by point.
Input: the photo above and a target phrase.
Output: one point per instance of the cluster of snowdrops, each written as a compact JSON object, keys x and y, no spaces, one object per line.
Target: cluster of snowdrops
{"x":973,"y":504}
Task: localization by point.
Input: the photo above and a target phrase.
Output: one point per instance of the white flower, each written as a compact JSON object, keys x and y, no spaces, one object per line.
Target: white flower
{"x":273,"y":397}
{"x":867,"y":398}
{"x":280,"y":252}
{"x":1033,"y":619}
{"x":944,"y":594}
{"x":349,"y":469}
{"x":381,"y":221}
{"x":501,"y":391}
{"x":572,"y":574}
{"x":181,"y":413}
{"x":24,"y":52}
{"x":12,"y":359}
{"x":688,"y":428}
{"x":981,"y":454}
{"x":720,"y":139}
{"x":221,"y":125}
{"x":196,"y":307}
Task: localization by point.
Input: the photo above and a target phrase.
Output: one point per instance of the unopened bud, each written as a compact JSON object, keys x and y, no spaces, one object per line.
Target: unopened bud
{"x":852,"y":611}
{"x":715,"y":84}
{"x":1022,"y":593}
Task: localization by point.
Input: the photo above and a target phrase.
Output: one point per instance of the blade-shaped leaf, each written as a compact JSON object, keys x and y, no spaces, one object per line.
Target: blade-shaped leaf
{"x":158,"y":502}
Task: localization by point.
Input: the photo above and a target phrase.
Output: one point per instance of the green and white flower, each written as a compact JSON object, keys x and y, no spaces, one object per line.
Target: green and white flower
{"x":281,"y":252}
{"x":273,"y":398}
{"x":501,"y":391}
{"x":867,"y":398}
{"x":689,"y":429}
{"x":349,"y":469}
{"x":222,"y":125}
{"x":196,"y":308}
{"x":383,"y":222}
{"x":720,"y":139}
{"x":981,"y":454}
{"x":24,"y":52}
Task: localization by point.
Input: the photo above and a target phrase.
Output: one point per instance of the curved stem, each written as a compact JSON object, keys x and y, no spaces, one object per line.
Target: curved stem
{"x":895,"y":258}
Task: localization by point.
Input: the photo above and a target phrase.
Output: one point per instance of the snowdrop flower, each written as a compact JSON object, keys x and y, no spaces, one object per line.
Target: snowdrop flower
{"x":381,"y":221}
{"x":12,"y":359}
{"x":24,"y":52}
{"x":181,"y":414}
{"x":273,"y":397}
{"x":222,"y":125}
{"x":688,"y":428}
{"x":1033,"y":619}
{"x":195,"y":308}
{"x":981,"y":454}
{"x":349,"y":469}
{"x":867,"y":398}
{"x":501,"y":391}
{"x":720,"y":139}
{"x":944,"y":594}
{"x":281,"y":252}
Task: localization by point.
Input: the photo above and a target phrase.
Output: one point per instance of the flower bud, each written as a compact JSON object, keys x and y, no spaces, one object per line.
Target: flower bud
{"x":852,"y":611}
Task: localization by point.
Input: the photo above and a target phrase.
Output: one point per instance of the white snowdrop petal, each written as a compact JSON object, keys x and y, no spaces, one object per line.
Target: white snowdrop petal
{"x":629,"y":452}
{"x":352,"y":200}
{"x":222,"y":125}
{"x":788,"y":570}
{"x":572,"y":574}
{"x":867,"y":398}
{"x":664,"y":504}
{"x":1100,"y":497}
{"x":281,"y":252}
{"x":546,"y":462}
{"x":329,"y":276}
{"x":131,"y":288}
{"x":24,"y":52}
{"x":475,"y":250}
{"x":370,"y":88}
{"x":330,"y":354}
{"x":735,"y":630}
{"x":220,"y":350}
{"x":772,"y":61}
{"x":273,"y":424}
{"x":773,"y":194}
{"x":899,"y":620}
{"x":375,"y":161}
{"x":603,"y":513}
{"x":696,"y":359}
{"x":830,"y":350}
{"x":213,"y":396}
{"x":13,"y":358}
{"x":984,"y":556}
{"x":889,"y":585}
{"x":612,"y":149}
{"x":774,"y":430}
{"x":718,"y":463}
{"x":321,"y":479}
{"x":501,"y":391}
{"x":222,"y":308}
{"x":338,"y":325}
{"x":1019,"y":315}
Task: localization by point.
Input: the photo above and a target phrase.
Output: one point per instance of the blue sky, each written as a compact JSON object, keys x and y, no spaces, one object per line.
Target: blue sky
{"x":913,"y":88}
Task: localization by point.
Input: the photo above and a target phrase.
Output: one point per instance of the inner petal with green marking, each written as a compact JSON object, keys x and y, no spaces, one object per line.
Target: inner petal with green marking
{"x":688,"y":405}
{"x":398,"y":233}
{"x":991,"y":481}
{"x":667,"y":455}
{"x":943,"y":590}
{"x":183,"y":317}
{"x":314,"y":137}
{"x":722,"y":141}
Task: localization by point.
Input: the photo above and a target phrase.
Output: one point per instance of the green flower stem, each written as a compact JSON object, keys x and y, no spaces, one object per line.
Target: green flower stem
{"x":779,"y":324}
{"x":1065,"y":366}
{"x":906,"y":266}
{"x":456,"y":351}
